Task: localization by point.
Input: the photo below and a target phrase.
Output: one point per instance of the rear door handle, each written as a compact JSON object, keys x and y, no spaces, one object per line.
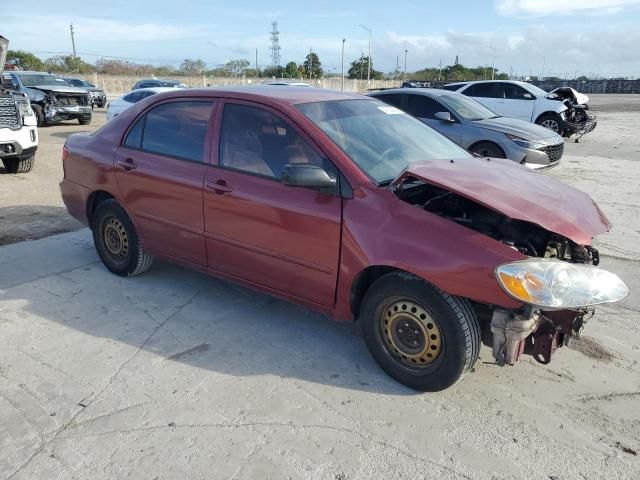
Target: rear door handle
{"x":220,"y":187}
{"x":127,"y":164}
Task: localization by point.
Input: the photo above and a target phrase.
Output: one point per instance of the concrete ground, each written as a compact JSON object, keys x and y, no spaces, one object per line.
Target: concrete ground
{"x":174,"y":374}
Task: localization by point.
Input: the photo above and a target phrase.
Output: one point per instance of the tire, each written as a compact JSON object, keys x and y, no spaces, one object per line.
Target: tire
{"x":15,"y":165}
{"x":552,"y":121}
{"x":446,"y":332}
{"x":117,"y":242}
{"x":487,"y":149}
{"x":82,"y":121}
{"x":37,"y":109}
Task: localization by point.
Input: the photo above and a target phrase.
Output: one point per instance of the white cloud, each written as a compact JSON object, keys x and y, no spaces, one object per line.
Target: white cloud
{"x":540,"y":8}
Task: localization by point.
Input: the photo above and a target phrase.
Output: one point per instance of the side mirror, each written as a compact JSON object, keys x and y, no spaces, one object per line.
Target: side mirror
{"x":306,"y":175}
{"x":444,"y":116}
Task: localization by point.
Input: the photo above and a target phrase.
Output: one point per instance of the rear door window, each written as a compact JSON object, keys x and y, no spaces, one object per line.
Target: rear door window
{"x":486,"y":90}
{"x":176,"y":129}
{"x":394,"y":99}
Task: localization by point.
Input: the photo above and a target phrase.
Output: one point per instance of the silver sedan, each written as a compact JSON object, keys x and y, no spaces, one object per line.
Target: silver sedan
{"x":476,"y":128}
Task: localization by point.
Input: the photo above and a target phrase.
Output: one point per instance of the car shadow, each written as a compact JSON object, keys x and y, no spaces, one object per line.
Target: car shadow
{"x":184,"y":316}
{"x":31,"y":222}
{"x":66,"y":135}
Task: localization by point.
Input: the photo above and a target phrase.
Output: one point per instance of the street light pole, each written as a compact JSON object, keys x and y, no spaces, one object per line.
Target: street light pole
{"x":369,"y":62}
{"x":405,"y":64}
{"x":342,"y":83}
{"x":493,"y":67}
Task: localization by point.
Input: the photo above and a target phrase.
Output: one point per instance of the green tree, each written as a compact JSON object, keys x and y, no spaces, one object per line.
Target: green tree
{"x":312,"y":66}
{"x":291,"y":70}
{"x":277,"y":72}
{"x":67,"y":64}
{"x":235,"y":68}
{"x":24,"y":60}
{"x":193,"y":67}
{"x":360,"y":68}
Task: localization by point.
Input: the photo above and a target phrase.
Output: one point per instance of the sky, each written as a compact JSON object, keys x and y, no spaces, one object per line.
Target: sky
{"x":528,"y":37}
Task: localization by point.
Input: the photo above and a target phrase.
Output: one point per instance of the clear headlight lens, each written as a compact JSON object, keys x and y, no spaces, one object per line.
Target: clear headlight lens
{"x":524,"y":142}
{"x":557,"y":284}
{"x":24,"y":108}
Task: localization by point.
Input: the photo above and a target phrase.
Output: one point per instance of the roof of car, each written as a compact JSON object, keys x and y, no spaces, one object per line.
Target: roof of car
{"x":34,"y":72}
{"x":433,"y":92}
{"x":290,"y":95}
{"x":470,"y":82}
{"x":164,"y":80}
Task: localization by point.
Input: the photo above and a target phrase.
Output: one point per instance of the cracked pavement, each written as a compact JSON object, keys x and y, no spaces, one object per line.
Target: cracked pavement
{"x":174,"y":374}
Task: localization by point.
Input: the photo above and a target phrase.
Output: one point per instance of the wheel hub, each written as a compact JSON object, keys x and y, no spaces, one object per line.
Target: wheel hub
{"x":410,"y":334}
{"x":115,"y":238}
{"x":550,"y":124}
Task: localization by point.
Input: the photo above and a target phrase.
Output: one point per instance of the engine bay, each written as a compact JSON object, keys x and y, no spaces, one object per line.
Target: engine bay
{"x":529,"y":239}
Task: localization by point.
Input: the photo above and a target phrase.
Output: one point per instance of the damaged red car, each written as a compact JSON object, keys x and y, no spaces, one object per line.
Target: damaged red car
{"x":349,"y":206}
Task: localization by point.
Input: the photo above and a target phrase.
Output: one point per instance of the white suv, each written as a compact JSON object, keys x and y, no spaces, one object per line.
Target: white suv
{"x":520,"y":100}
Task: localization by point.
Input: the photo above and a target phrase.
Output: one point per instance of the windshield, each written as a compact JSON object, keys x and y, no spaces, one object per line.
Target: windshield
{"x":536,"y":90}
{"x":32,"y":80}
{"x":380,"y":139}
{"x":466,"y":107}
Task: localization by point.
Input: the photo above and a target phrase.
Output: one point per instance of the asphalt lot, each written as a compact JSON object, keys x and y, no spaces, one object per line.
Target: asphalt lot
{"x":177,"y":375}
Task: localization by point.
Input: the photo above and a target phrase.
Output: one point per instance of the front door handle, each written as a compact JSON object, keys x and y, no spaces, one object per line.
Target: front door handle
{"x":127,"y":164}
{"x":220,"y":187}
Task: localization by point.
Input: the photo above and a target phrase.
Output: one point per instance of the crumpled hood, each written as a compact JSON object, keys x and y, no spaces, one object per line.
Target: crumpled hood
{"x":59,"y":89}
{"x":579,"y":98}
{"x":519,"y":128}
{"x":517,"y":192}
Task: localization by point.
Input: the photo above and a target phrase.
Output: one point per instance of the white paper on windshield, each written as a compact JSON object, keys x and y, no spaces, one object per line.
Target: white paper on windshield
{"x":390,"y":110}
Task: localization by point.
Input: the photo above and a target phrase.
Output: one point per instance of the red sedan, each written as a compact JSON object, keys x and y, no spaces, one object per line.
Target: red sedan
{"x":349,"y":206}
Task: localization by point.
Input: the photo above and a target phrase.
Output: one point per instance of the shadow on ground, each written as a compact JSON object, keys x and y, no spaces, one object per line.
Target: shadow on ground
{"x":183,"y":316}
{"x":31,"y":222}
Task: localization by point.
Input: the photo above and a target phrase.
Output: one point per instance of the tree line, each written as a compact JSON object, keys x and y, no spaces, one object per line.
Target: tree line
{"x":310,"y":68}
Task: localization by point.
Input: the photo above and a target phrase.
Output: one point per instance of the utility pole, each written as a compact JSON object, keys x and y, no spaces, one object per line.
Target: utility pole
{"x":361,"y":64}
{"x":342,"y":82}
{"x":310,"y":65}
{"x":440,"y":70}
{"x":256,"y":63}
{"x":405,"y":64}
{"x":493,"y":68}
{"x":395,"y":77}
{"x":369,"y":60}
{"x":73,"y":40}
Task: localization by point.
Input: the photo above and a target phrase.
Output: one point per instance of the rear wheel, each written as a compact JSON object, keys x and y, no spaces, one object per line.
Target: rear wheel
{"x":488,"y":149}
{"x":422,"y":337}
{"x":117,"y":242}
{"x":552,"y":121}
{"x":84,"y":121}
{"x":15,"y":165}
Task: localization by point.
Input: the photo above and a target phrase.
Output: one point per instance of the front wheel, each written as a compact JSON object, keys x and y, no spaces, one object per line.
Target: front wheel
{"x":84,"y":121}
{"x":37,"y":110}
{"x":552,"y":121}
{"x":117,"y":241}
{"x":421,"y":336}
{"x":15,"y":165}
{"x":487,"y":149}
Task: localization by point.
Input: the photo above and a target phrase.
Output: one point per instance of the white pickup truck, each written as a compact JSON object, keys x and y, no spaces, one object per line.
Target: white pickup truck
{"x":18,"y":125}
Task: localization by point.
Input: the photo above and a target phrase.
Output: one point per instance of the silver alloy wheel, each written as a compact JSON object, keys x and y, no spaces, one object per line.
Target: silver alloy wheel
{"x":551,"y":124}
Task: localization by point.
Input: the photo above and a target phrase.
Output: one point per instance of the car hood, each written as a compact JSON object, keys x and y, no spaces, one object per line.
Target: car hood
{"x":519,"y":128}
{"x":517,"y":192}
{"x":92,"y":89}
{"x":59,"y":89}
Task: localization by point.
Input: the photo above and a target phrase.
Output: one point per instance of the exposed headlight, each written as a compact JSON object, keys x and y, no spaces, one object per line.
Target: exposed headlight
{"x":523,"y":142}
{"x":557,"y":284}
{"x":24,"y":108}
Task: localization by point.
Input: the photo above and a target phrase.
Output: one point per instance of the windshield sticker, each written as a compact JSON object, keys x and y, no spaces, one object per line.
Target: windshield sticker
{"x":390,"y":110}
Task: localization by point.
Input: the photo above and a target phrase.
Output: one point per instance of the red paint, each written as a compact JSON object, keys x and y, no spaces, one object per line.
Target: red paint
{"x":299,"y":244}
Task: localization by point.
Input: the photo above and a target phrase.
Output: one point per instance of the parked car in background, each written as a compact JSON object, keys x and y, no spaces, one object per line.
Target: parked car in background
{"x":521,"y":100}
{"x":285,"y":83}
{"x":18,"y":131}
{"x":117,"y":106}
{"x":350,"y":206}
{"x":52,"y":99}
{"x":98,"y":97}
{"x":157,"y":82}
{"x":476,"y":128}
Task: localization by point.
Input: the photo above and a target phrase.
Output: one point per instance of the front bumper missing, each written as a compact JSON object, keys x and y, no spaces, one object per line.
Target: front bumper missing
{"x":534,"y":332}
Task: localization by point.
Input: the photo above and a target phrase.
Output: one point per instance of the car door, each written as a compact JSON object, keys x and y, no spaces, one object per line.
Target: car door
{"x":515,"y":101}
{"x":486,"y":93}
{"x":283,"y":238}
{"x":425,"y":108}
{"x":160,"y":169}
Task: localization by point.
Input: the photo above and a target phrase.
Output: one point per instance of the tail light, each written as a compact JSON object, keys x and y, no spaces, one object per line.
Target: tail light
{"x":65,"y":152}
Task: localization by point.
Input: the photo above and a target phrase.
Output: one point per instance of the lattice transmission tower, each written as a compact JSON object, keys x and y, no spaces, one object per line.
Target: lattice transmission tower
{"x":275,"y":44}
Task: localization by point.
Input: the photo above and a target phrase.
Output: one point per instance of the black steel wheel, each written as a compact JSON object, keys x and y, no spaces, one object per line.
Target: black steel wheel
{"x":421,"y":336}
{"x":117,"y":242}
